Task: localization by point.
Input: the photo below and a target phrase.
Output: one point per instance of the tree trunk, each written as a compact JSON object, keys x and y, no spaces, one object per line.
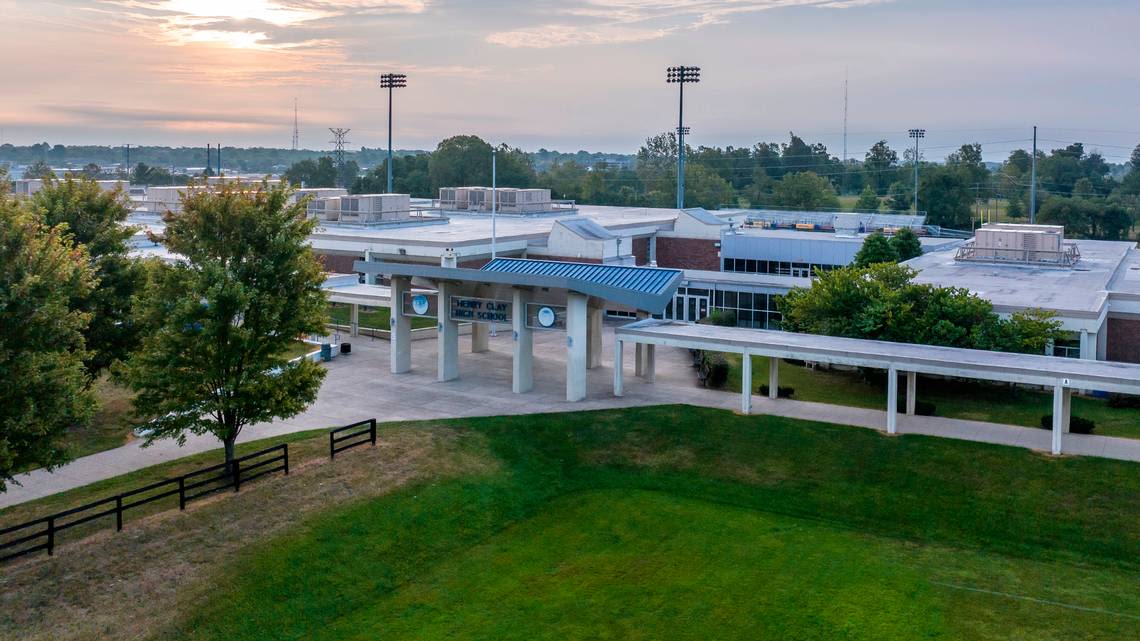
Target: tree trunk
{"x":229,"y":443}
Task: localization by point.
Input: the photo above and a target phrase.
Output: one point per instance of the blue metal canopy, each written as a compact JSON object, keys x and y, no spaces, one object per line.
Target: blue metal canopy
{"x":644,"y":288}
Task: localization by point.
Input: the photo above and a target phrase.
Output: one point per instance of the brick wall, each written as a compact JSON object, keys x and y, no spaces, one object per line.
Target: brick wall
{"x":688,"y":253}
{"x":641,"y":251}
{"x":338,"y":264}
{"x":1123,"y":340}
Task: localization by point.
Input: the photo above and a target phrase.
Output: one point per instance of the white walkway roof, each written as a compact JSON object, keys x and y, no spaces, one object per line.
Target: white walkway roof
{"x":924,"y":359}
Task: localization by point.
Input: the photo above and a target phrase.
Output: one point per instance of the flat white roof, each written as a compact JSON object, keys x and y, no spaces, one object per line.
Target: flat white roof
{"x":1080,"y":291}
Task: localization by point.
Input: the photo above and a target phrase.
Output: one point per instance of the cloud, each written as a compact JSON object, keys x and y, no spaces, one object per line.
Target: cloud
{"x":592,"y":22}
{"x":103,"y":114}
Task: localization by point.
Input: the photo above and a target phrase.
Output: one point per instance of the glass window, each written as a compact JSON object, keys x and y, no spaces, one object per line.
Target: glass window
{"x":750,"y":266}
{"x":730,"y":299}
{"x":745,"y":300}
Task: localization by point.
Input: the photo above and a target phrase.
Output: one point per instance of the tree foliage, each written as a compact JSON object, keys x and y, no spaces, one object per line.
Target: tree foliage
{"x":944,"y":193}
{"x":882,"y":302}
{"x":906,"y":244}
{"x":313,"y":173}
{"x":95,"y":219}
{"x":876,"y":249}
{"x":43,"y":276}
{"x":868,"y":200}
{"x":220,"y":321}
{"x":805,"y":191}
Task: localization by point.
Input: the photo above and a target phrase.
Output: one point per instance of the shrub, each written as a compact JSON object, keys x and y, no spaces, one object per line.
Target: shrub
{"x":717,"y":371}
{"x":1077,"y":424}
{"x":781,"y":392}
{"x":720,"y":317}
{"x":921,"y":407}
{"x":1124,"y":401}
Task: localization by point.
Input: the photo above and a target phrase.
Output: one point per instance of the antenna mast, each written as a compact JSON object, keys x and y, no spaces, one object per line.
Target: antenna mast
{"x":296,"y":128}
{"x":845,"y":128}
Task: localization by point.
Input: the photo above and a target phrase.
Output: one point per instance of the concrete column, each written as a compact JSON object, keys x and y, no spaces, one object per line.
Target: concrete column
{"x":639,"y":351}
{"x":480,"y":337}
{"x":911,"y":391}
{"x":354,"y":320}
{"x":653,"y":250}
{"x":1060,"y":419}
{"x":1088,"y":348}
{"x":1066,"y":409}
{"x":399,"y":325}
{"x":522,"y":370}
{"x":892,"y":400}
{"x":447,"y":340}
{"x":773,"y":377}
{"x":575,"y":346}
{"x":619,"y":384}
{"x":1102,"y":343}
{"x":594,"y":330}
{"x":650,"y":369}
{"x":746,"y":384}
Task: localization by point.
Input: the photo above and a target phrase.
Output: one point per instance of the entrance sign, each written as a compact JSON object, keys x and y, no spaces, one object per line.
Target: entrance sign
{"x":541,"y":316}
{"x":416,"y":304}
{"x":480,"y":310}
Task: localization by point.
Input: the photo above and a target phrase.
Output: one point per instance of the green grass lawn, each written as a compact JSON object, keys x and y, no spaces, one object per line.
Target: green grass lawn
{"x":691,"y":523}
{"x":973,"y":401}
{"x":374,"y":317}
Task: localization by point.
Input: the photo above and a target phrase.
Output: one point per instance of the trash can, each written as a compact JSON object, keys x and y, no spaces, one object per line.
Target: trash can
{"x":326,"y":352}
{"x":346,"y":348}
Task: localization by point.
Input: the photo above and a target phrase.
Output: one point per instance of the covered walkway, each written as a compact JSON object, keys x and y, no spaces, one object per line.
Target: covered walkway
{"x":1062,"y":374}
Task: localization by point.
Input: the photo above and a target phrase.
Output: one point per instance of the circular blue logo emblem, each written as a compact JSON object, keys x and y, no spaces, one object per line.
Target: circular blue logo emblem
{"x":546,"y":317}
{"x":420,"y":304}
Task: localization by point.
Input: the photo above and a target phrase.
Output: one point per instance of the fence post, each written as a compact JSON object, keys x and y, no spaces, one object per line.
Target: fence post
{"x":237,"y":476}
{"x":181,"y":492}
{"x":119,"y":513}
{"x":286,"y":447}
{"x":51,"y":536}
{"x":373,"y":429}
{"x":332,"y":443}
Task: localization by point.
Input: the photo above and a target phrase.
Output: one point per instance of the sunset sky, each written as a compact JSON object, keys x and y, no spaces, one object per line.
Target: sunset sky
{"x":571,"y":74}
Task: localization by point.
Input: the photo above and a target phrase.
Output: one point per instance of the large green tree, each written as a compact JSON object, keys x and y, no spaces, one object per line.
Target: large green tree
{"x":906,"y":244}
{"x":945,"y":194}
{"x":876,"y":249}
{"x":881,"y":166}
{"x":805,"y":190}
{"x":220,"y":321}
{"x":313,"y":173}
{"x":882,"y":302}
{"x":43,"y":276}
{"x":868,"y":200}
{"x":96,"y":220}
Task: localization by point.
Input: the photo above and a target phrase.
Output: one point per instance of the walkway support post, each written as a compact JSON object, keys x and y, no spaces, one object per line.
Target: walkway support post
{"x":639,"y":351}
{"x":892,"y":400}
{"x":746,"y":383}
{"x":400,"y":326}
{"x":354,"y":321}
{"x":773,"y":377}
{"x":911,"y":391}
{"x":1061,"y":404}
{"x":619,"y":387}
{"x":480,"y":337}
{"x":522,"y":370}
{"x":575,"y":346}
{"x":447,"y":342}
{"x":649,"y":370}
{"x":594,"y":330}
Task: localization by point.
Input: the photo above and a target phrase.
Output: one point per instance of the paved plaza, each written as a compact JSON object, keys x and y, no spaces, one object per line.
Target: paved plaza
{"x":359,"y":386}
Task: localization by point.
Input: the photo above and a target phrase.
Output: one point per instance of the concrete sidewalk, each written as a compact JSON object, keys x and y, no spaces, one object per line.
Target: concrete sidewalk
{"x":359,"y":386}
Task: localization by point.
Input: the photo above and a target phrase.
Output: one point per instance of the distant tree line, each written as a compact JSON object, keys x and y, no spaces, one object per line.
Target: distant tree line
{"x":1075,"y":189}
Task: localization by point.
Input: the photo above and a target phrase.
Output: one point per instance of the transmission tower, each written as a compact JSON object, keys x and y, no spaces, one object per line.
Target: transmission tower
{"x":296,"y":127}
{"x":338,"y":143}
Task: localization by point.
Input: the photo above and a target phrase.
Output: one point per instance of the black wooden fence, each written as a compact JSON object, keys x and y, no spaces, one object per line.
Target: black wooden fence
{"x":187,"y":487}
{"x":362,"y":431}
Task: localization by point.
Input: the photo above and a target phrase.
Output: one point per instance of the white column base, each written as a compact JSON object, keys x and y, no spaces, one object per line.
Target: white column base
{"x":892,"y":401}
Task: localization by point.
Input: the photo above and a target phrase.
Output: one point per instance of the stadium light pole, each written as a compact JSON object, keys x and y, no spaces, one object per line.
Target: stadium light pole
{"x":391,"y":81}
{"x":681,"y":76}
{"x":916,"y":134}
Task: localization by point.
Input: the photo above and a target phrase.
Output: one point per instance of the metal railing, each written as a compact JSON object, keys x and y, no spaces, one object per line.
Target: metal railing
{"x":339,"y":441}
{"x":1067,"y":257}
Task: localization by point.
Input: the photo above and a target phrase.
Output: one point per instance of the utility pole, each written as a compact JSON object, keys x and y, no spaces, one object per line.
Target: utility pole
{"x":127,"y":162}
{"x":209,"y":160}
{"x":845,"y":129}
{"x":339,"y":142}
{"x":494,"y":191}
{"x":392,"y":81}
{"x":296,"y":127}
{"x":916,"y":134}
{"x":681,"y":75}
{"x":219,"y":160}
{"x":1033,"y":180}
